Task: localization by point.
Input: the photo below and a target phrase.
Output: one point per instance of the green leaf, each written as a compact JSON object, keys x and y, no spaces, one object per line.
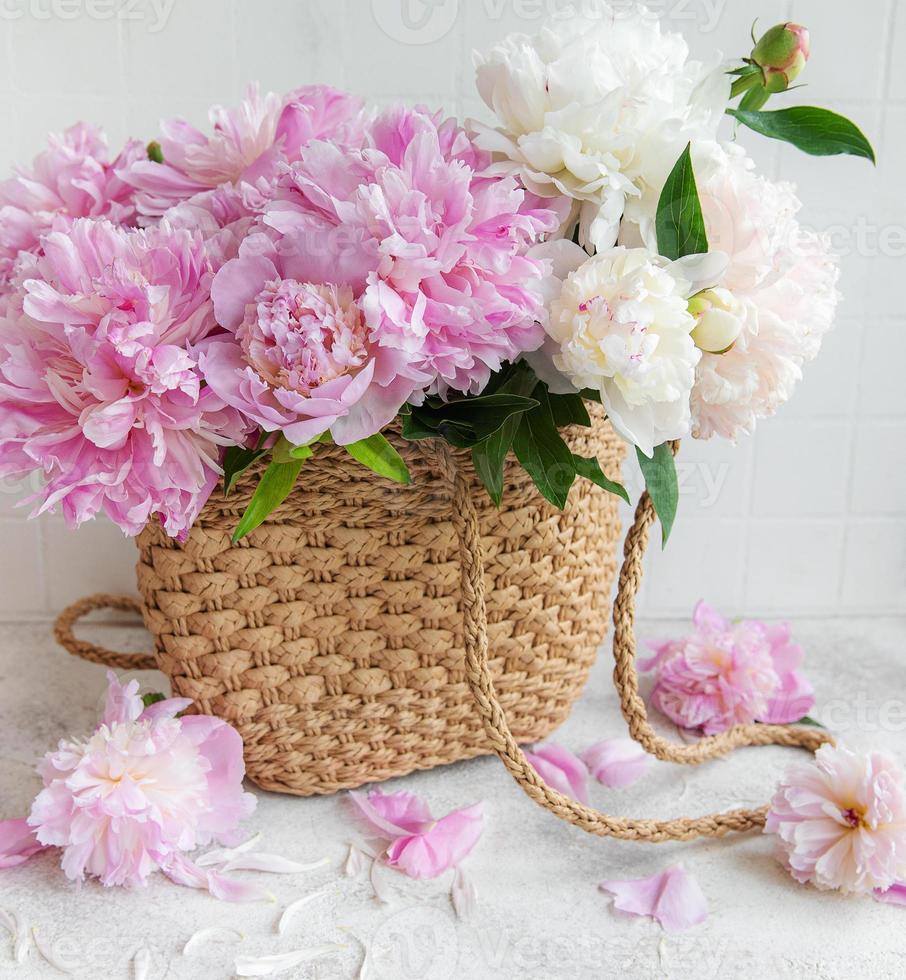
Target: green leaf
{"x":380,"y":457}
{"x":680,"y":223}
{"x":590,"y":469}
{"x":590,"y":395}
{"x":541,"y":450}
{"x":415,"y":428}
{"x":569,"y":410}
{"x":662,"y":484}
{"x":489,"y":456}
{"x":755,"y":99}
{"x":236,"y":461}
{"x":149,"y":699}
{"x":811,"y":722}
{"x":274,"y":487}
{"x":819,"y":132}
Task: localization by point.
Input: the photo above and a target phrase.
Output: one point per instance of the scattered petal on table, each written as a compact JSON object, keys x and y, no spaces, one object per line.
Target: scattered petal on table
{"x":17,"y":843}
{"x":673,"y":897}
{"x":616,"y":762}
{"x":443,"y":846}
{"x":141,"y":964}
{"x":380,"y":893}
{"x":8,"y":922}
{"x":268,"y":966}
{"x":220,"y":934}
{"x":23,"y":940}
{"x":181,"y":871}
{"x":463,"y":895}
{"x":225,"y":854}
{"x":561,"y":770}
{"x":272,"y":863}
{"x":895,"y":895}
{"x":421,"y":847}
{"x":290,"y":911}
{"x":355,"y":861}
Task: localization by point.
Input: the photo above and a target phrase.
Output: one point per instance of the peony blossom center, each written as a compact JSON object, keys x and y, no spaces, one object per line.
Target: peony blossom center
{"x":855,"y":818}
{"x":300,"y":336}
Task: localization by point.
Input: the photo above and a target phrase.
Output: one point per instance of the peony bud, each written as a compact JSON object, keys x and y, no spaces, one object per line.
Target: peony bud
{"x":719,"y":316}
{"x":781,"y":54}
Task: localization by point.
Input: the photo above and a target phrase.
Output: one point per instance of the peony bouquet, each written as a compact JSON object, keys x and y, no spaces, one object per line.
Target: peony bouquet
{"x":315,"y":271}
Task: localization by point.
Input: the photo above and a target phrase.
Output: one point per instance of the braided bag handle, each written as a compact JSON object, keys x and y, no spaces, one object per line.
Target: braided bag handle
{"x":63,"y":631}
{"x":626,"y":680}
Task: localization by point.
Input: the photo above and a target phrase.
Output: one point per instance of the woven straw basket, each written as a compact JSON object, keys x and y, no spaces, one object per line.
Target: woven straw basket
{"x":332,"y":637}
{"x":367,"y":630}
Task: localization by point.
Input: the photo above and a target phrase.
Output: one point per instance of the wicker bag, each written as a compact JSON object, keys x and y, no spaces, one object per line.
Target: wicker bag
{"x":365,"y":629}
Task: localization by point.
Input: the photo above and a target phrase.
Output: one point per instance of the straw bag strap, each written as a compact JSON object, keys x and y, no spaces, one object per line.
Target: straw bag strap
{"x":63,"y":631}
{"x":626,"y":680}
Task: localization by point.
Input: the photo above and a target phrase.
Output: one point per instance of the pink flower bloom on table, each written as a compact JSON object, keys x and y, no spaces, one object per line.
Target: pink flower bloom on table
{"x":299,"y":358}
{"x":672,"y":897}
{"x":617,"y":762}
{"x":840,"y":821}
{"x":728,"y":674}
{"x":561,"y":770}
{"x":420,"y":846}
{"x":98,"y":389}
{"x":435,"y":253}
{"x":145,"y":787}
{"x":247,"y":147}
{"x":73,"y":178}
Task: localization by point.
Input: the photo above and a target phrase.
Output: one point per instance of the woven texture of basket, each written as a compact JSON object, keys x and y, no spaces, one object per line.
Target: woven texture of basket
{"x":332,"y":636}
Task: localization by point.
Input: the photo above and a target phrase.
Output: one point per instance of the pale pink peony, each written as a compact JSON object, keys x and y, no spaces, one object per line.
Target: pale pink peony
{"x":300,"y":359}
{"x":785,"y":277}
{"x":98,"y":388}
{"x":420,"y":846}
{"x":246,"y":149}
{"x":728,"y":674}
{"x":841,"y":821}
{"x":436,"y":253}
{"x":73,"y":178}
{"x":145,"y":787}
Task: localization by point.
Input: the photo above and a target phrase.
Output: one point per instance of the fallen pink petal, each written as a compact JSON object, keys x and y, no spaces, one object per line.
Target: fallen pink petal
{"x":616,"y":762}
{"x":561,"y":770}
{"x":895,"y":895}
{"x":17,"y":843}
{"x":672,"y":897}
{"x":420,"y":846}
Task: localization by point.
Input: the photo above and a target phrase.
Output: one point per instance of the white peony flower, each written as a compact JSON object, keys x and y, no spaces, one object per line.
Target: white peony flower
{"x":783,"y":282}
{"x":621,"y":326}
{"x":598,"y":108}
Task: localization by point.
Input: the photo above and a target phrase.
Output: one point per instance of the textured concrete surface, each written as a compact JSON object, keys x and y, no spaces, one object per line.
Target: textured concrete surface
{"x":539,"y":911}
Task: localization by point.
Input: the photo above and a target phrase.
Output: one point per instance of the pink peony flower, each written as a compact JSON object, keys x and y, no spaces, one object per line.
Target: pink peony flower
{"x":17,"y":843}
{"x":143,"y":788}
{"x":301,"y":359}
{"x":98,"y":389}
{"x":73,"y":178}
{"x":785,"y":278}
{"x":435,"y":252}
{"x":248,"y":145}
{"x":421,"y":846}
{"x":673,"y":897}
{"x":729,"y":674}
{"x":841,"y":821}
{"x":561,"y":770}
{"x":616,"y":762}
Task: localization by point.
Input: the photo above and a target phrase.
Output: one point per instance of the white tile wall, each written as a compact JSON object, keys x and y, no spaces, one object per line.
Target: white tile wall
{"x":809,"y":516}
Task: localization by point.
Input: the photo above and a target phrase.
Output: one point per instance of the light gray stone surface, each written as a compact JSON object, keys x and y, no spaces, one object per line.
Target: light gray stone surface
{"x":539,"y":911}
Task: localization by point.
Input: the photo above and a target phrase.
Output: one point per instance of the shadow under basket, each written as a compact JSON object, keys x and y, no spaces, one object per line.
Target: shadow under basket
{"x":332,"y":636}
